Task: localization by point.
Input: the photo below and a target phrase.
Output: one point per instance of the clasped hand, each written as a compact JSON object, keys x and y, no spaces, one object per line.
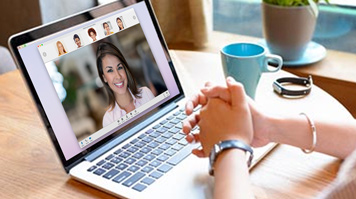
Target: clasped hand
{"x":226,"y":114}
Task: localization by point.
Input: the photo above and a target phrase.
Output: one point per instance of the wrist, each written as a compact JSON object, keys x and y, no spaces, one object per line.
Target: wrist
{"x":228,"y":145}
{"x":273,"y":129}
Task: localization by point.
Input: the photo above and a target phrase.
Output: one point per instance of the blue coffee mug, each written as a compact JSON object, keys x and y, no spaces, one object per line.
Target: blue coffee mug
{"x":246,"y":62}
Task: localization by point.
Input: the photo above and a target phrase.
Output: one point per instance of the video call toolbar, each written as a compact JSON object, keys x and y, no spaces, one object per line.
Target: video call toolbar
{"x":76,"y":39}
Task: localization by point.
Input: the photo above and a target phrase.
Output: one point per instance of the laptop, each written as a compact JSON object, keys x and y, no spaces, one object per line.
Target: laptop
{"x":108,"y":93}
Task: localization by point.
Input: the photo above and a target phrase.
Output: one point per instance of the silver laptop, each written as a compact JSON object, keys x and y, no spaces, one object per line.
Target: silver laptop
{"x":111,"y":101}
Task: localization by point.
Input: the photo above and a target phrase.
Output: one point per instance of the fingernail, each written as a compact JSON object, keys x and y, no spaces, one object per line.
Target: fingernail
{"x":204,"y":89}
{"x":230,"y":79}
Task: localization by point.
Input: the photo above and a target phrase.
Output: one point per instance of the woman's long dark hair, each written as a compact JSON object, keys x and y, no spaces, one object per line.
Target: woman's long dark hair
{"x":104,"y":49}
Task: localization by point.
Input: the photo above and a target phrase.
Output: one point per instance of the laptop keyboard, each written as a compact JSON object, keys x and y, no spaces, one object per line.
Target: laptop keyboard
{"x":148,"y":157}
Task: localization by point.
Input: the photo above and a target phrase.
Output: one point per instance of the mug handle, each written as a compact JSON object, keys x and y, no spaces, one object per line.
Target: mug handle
{"x":275,"y":58}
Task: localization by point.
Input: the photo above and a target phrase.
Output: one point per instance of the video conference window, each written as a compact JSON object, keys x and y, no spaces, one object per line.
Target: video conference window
{"x":106,"y":80}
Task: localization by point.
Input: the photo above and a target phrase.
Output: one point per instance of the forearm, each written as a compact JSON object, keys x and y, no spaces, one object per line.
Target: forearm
{"x":232,"y":176}
{"x":336,"y":138}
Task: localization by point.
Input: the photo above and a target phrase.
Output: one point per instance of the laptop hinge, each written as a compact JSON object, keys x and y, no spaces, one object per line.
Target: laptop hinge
{"x":97,"y":153}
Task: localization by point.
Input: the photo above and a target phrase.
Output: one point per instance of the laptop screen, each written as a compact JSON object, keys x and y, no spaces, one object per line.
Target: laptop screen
{"x":96,"y":77}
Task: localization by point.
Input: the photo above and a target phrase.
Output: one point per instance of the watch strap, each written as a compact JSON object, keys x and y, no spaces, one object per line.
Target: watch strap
{"x":228,"y":144}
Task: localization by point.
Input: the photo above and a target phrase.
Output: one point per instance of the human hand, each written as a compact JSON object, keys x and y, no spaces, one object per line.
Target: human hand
{"x":260,"y":120}
{"x":220,"y":120}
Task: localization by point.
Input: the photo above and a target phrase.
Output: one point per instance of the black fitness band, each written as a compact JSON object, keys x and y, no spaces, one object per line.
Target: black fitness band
{"x":281,"y":90}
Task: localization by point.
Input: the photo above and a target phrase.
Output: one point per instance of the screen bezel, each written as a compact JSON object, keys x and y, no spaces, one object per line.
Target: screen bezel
{"x":68,"y":22}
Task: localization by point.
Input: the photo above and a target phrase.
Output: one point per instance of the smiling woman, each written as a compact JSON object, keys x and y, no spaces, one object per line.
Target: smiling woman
{"x":115,"y":74}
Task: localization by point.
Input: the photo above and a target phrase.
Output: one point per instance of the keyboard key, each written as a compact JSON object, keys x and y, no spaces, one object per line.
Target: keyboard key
{"x":133,"y":179}
{"x":130,"y":160}
{"x":121,"y":177}
{"x":99,"y":171}
{"x":148,"y":180}
{"x":156,"y":174}
{"x":153,"y":145}
{"x":101,"y":162}
{"x":163,"y":158}
{"x":169,"y":125}
{"x":134,"y":141}
{"x":111,"y":173}
{"x":108,"y":165}
{"x":132,"y":149}
{"x":176,"y":113}
{"x":164,"y":146}
{"x":149,"y":157}
{"x":174,"y":130}
{"x":133,"y":168}
{"x":147,"y":169}
{"x":164,"y":168}
{"x":147,"y":139}
{"x":116,"y":160}
{"x":181,"y":117}
{"x":177,"y":158}
{"x":167,"y":135}
{"x":138,"y":155}
{"x":142,"y":136}
{"x":145,"y":150}
{"x":179,"y":125}
{"x":170,"y":118}
{"x":163,"y":122}
{"x":171,"y":141}
{"x":175,"y":121}
{"x":170,"y":152}
{"x":157,"y":152}
{"x":121,"y":166}
{"x":157,"y":126}
{"x":140,"y":144}
{"x":139,"y":187}
{"x":161,"y":139}
{"x":181,"y":109}
{"x":118,"y":151}
{"x":91,"y":168}
{"x":183,"y":142}
{"x":141,"y":163}
{"x":155,"y":163}
{"x":149,"y":131}
{"x":178,"y":136}
{"x":155,"y":135}
{"x":177,"y":147}
{"x":162,"y":130}
{"x":124,"y":154}
{"x":126,"y":146}
{"x":195,"y":128}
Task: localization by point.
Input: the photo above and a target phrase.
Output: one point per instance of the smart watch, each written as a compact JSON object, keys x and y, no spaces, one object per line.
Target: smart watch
{"x":224,"y":145}
{"x":281,"y":90}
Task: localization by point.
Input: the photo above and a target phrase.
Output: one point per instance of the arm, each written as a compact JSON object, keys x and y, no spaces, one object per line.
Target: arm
{"x":336,"y":138}
{"x":220,"y":121}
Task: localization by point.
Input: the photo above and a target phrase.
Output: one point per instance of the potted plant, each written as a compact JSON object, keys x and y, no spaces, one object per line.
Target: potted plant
{"x":288,"y":26}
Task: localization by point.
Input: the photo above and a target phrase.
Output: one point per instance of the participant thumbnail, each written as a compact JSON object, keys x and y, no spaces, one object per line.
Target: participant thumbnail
{"x":107,"y":28}
{"x":120,"y":23}
{"x":61,"y":49}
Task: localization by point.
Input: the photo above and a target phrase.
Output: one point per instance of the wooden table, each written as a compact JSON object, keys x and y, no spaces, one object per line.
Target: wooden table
{"x":335,"y":74}
{"x":29,"y":167}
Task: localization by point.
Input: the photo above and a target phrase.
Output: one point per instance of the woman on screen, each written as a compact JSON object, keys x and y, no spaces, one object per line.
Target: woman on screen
{"x":115,"y":74}
{"x":60,"y":47}
{"x":92,"y":34}
{"x":119,"y":23}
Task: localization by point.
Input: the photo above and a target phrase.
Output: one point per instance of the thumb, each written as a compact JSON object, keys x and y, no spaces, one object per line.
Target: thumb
{"x":236,"y":90}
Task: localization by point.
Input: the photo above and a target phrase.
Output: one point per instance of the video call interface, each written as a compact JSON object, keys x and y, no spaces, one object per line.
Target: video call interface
{"x":104,"y":74}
